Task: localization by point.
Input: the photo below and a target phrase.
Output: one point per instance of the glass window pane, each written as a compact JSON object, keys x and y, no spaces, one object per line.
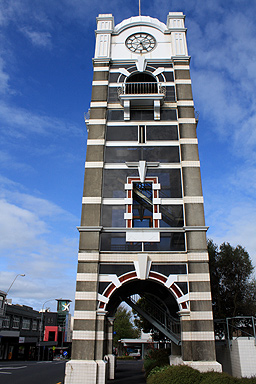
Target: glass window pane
{"x":124,"y":133}
{"x":162,"y":132}
{"x":114,"y":181}
{"x":113,"y":216}
{"x":111,"y":241}
{"x":140,"y":114}
{"x":172,"y":216}
{"x":170,"y":181}
{"x":168,"y":242}
{"x":168,"y":114}
{"x":161,"y":154}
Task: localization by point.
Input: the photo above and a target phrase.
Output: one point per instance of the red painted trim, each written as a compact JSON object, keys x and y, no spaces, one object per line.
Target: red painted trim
{"x":157,"y":276}
{"x":109,"y":290}
{"x":175,"y":290}
{"x":128,"y":276}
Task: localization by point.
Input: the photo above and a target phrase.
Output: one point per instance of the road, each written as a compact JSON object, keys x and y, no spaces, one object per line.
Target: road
{"x":129,"y":371}
{"x":31,"y":372}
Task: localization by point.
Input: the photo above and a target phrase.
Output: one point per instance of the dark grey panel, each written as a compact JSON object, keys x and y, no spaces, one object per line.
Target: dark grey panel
{"x":122,"y":133}
{"x":113,"y":216}
{"x":115,"y":179}
{"x":111,"y":241}
{"x":142,"y":114}
{"x":172,"y":216}
{"x":118,"y":269}
{"x":167,"y":269}
{"x":169,"y":76}
{"x":161,"y":132}
{"x":130,"y":154}
{"x":168,"y":242}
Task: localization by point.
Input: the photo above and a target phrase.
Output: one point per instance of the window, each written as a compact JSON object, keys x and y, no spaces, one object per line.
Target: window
{"x":6,"y":322}
{"x":16,"y":322}
{"x":34,"y":325}
{"x":26,"y":324}
{"x":143,"y":203}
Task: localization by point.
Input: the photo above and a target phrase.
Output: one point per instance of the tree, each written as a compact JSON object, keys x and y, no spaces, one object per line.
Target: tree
{"x":123,"y":326}
{"x":232,"y":283}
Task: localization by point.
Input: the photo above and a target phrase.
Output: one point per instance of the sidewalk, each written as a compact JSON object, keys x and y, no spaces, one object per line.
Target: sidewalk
{"x":129,"y":371}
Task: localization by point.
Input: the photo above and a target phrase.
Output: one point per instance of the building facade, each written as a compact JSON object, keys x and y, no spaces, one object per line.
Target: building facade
{"x":142,"y":228}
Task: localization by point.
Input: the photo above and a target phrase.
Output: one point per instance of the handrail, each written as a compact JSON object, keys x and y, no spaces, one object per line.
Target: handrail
{"x":142,"y":89}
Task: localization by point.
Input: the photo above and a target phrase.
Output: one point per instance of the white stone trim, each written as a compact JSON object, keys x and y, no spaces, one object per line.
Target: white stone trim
{"x":94,"y":164}
{"x":91,"y":200}
{"x":190,"y":163}
{"x":95,"y":141}
{"x":136,"y":123}
{"x":85,"y":315}
{"x":124,"y":166}
{"x":197,"y":336}
{"x":97,"y":121}
{"x":119,"y":257}
{"x":199,"y":315}
{"x":189,"y":141}
{"x":183,"y":81}
{"x":186,"y":120}
{"x":99,"y":82}
{"x":185,"y":103}
{"x":87,"y":256}
{"x":101,"y":69}
{"x":198,"y":256}
{"x":193,"y":199}
{"x":98,"y":104}
{"x":185,"y":67}
{"x":81,"y":295}
{"x":114,"y":201}
{"x":155,"y":143}
{"x":88,"y":335}
{"x":199,"y":277}
{"x":200,"y":296}
{"x":170,"y":201}
{"x":87,"y":276}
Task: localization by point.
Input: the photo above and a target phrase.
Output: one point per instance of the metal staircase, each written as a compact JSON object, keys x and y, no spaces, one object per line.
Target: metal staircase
{"x":158,"y":317}
{"x":142,"y":194}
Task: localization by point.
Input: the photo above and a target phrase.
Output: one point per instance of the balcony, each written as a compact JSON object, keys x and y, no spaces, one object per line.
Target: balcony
{"x":140,"y":94}
{"x":149,"y":89}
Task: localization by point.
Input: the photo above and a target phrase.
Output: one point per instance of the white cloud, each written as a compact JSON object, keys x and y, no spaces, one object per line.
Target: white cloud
{"x":40,"y":39}
{"x":4,"y":78}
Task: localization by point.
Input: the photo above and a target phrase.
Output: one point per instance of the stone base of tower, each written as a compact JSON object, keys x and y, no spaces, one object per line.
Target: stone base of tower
{"x":201,"y":366}
{"x":86,"y":372}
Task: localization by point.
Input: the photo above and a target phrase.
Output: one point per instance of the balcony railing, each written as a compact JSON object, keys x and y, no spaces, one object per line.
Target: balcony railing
{"x":141,"y":89}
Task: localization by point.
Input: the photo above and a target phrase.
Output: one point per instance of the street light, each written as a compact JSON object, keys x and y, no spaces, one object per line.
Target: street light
{"x":19,"y":274}
{"x":41,"y":326}
{"x":5,"y":299}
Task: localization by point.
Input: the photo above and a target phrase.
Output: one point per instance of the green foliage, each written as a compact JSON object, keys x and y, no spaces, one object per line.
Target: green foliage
{"x":125,"y":358}
{"x":232,"y":283}
{"x":178,"y":374}
{"x":218,"y":378}
{"x":183,"y":374}
{"x":156,"y":358}
{"x":123,"y":326}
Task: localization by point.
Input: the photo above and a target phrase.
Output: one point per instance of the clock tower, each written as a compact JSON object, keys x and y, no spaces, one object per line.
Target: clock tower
{"x":142,"y":232}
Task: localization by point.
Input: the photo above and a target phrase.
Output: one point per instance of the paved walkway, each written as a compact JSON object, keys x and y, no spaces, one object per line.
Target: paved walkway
{"x":129,"y":371}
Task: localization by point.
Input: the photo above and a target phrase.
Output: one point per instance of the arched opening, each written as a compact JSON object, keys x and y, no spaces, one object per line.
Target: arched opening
{"x":141,"y":83}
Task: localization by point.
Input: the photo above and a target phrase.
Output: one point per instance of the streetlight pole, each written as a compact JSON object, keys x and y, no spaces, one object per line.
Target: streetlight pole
{"x":5,"y":299}
{"x":41,"y":326}
{"x":19,"y":274}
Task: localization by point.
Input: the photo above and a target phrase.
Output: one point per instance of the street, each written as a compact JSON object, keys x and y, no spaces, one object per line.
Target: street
{"x":31,"y":372}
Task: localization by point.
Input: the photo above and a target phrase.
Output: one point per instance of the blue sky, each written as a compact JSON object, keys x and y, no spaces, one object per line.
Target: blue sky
{"x":46,"y":49}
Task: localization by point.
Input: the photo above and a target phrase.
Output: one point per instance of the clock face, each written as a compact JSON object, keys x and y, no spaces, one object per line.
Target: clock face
{"x":140,"y":42}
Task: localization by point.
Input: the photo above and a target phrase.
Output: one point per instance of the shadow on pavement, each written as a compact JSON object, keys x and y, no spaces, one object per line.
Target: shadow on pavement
{"x":130,"y":371}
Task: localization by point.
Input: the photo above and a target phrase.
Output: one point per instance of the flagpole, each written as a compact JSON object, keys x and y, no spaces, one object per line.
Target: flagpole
{"x":139,"y":9}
